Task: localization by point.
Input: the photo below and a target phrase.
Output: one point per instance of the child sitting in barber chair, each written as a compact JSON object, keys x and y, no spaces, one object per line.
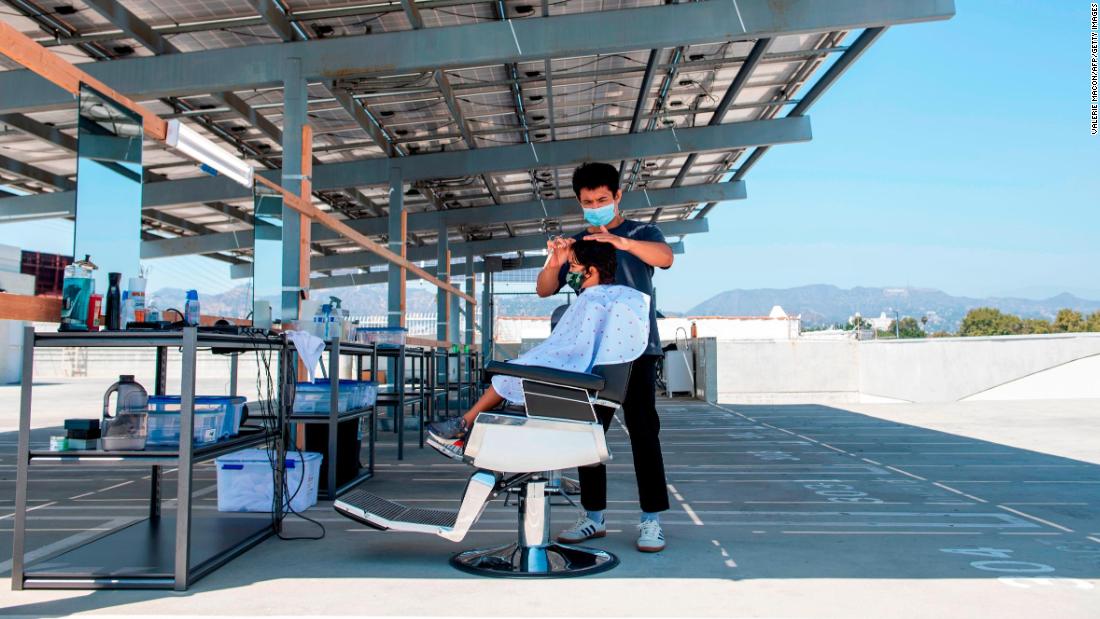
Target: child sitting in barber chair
{"x":607,"y":324}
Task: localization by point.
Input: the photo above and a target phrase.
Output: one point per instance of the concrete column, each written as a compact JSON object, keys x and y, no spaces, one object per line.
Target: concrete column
{"x":294,"y":117}
{"x":442,"y":272}
{"x":396,"y":245}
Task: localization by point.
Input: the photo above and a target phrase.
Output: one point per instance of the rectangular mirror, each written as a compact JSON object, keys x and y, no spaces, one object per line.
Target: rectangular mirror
{"x":267,"y":258}
{"x":109,"y":184}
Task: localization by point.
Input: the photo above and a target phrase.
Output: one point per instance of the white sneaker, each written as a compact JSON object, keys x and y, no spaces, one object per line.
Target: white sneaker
{"x":584,"y":528}
{"x":650,"y":536}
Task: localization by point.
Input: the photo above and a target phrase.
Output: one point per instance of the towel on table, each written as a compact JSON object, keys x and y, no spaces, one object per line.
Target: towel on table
{"x":309,"y":349}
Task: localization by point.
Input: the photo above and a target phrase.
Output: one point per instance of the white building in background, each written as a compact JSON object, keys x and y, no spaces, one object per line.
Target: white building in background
{"x":882,"y":323}
{"x":777,"y":325}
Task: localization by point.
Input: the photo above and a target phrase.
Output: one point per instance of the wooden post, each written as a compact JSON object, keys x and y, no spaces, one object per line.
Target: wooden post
{"x":306,"y":192}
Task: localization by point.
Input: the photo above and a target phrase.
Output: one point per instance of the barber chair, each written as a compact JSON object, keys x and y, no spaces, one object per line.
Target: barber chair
{"x":519,"y":447}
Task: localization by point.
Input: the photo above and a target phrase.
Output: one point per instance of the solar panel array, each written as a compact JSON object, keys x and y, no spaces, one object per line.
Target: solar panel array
{"x":501,"y":104}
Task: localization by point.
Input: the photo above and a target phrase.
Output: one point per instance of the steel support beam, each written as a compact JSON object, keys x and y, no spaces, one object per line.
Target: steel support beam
{"x":120,"y":16}
{"x":479,"y":44}
{"x":38,"y":206}
{"x":350,"y":260}
{"x":563,"y":153}
{"x":469,"y":314}
{"x":735,"y":88}
{"x":442,"y":271}
{"x":425,"y":220}
{"x":295,"y":94}
{"x":444,"y":85}
{"x":487,"y":319}
{"x":639,"y":105}
{"x":394,"y":276}
{"x":275,"y":16}
{"x":36,"y":174}
{"x":40,"y":130}
{"x":855,"y":50}
{"x":533,"y":210}
{"x":379,"y":277}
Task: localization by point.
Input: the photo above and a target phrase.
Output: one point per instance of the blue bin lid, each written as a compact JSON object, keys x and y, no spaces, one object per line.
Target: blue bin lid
{"x":260,"y":455}
{"x":199,"y":399}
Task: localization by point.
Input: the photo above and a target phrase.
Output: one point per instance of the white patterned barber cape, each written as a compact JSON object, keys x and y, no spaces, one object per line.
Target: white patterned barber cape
{"x":607,"y":324}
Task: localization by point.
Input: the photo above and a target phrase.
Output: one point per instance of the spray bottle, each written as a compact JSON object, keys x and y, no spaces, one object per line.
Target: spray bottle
{"x":191,"y":308}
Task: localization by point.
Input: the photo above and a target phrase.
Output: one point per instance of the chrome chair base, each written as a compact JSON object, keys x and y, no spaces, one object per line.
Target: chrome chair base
{"x":550,"y":561}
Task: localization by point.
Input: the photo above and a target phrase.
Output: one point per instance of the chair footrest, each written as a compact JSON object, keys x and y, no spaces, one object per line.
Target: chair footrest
{"x":379,"y":513}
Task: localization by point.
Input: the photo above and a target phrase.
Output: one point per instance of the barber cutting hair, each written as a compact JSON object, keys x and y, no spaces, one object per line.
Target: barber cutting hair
{"x":639,"y":248}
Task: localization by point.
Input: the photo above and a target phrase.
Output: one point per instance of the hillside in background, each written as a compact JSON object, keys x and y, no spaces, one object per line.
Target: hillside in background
{"x":819,"y":305}
{"x":822,"y":304}
{"x":237,"y":302}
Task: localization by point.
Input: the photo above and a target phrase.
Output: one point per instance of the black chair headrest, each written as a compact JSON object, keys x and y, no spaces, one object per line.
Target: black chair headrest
{"x":556,"y":315}
{"x":616,"y":380}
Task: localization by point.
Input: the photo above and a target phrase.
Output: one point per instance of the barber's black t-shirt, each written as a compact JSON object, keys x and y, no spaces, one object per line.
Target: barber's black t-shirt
{"x":631,"y":271}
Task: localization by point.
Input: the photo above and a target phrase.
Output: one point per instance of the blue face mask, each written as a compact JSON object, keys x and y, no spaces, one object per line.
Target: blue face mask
{"x":600,"y":216}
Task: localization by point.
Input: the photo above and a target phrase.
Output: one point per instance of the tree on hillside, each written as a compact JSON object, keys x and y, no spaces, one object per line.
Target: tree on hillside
{"x":989,"y":321}
{"x":907,"y":327}
{"x":1037,"y":325}
{"x":1093,"y":322}
{"x":1069,"y":321}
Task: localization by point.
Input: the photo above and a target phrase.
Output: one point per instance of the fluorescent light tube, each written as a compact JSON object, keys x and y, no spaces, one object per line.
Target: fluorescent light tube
{"x":192,"y":144}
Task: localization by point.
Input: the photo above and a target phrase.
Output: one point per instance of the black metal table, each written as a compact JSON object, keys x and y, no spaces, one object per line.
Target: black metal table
{"x":157,"y":552}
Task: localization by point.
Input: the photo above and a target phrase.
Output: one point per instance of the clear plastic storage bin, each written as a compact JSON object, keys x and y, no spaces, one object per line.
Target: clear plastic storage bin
{"x":164,"y":421}
{"x":315,"y":397}
{"x":382,"y":336}
{"x":246,"y":483}
{"x":232,"y":406}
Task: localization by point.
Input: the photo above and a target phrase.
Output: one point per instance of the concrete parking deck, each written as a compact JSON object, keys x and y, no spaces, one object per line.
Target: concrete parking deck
{"x":800,"y":510}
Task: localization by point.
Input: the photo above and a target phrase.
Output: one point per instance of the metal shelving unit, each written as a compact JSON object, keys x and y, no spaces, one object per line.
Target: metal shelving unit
{"x":335,"y":417}
{"x":465,"y":385}
{"x":401,"y":396}
{"x":168,"y":551}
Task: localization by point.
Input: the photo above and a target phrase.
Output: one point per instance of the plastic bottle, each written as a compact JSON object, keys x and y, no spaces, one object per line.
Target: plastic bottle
{"x":191,"y":308}
{"x":326,"y":319}
{"x":127,"y":309}
{"x":77,"y":290}
{"x":114,"y":301}
{"x":137,"y":298}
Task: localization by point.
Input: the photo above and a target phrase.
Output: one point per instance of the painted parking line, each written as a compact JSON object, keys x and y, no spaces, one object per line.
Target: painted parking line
{"x":727,"y":559}
{"x":684,"y":505}
{"x":29,"y":509}
{"x":1037,"y":519}
{"x":959,"y":492}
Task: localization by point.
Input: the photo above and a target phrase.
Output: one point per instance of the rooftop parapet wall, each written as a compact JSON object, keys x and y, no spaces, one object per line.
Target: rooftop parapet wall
{"x":931,"y":370}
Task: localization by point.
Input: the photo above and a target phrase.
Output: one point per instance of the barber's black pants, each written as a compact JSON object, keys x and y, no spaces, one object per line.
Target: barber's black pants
{"x":640,"y":416}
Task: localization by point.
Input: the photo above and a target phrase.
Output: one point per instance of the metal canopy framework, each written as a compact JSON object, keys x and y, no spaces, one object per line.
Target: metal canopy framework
{"x":481,"y":107}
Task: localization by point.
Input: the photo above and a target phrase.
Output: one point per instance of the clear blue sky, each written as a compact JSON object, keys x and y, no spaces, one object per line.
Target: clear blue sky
{"x":953,"y":155}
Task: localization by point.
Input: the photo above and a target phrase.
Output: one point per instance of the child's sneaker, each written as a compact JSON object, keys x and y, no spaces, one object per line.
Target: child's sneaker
{"x":449,"y":429}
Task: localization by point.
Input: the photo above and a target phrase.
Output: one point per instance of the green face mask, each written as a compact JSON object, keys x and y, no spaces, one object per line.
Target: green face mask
{"x":575,"y":279}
